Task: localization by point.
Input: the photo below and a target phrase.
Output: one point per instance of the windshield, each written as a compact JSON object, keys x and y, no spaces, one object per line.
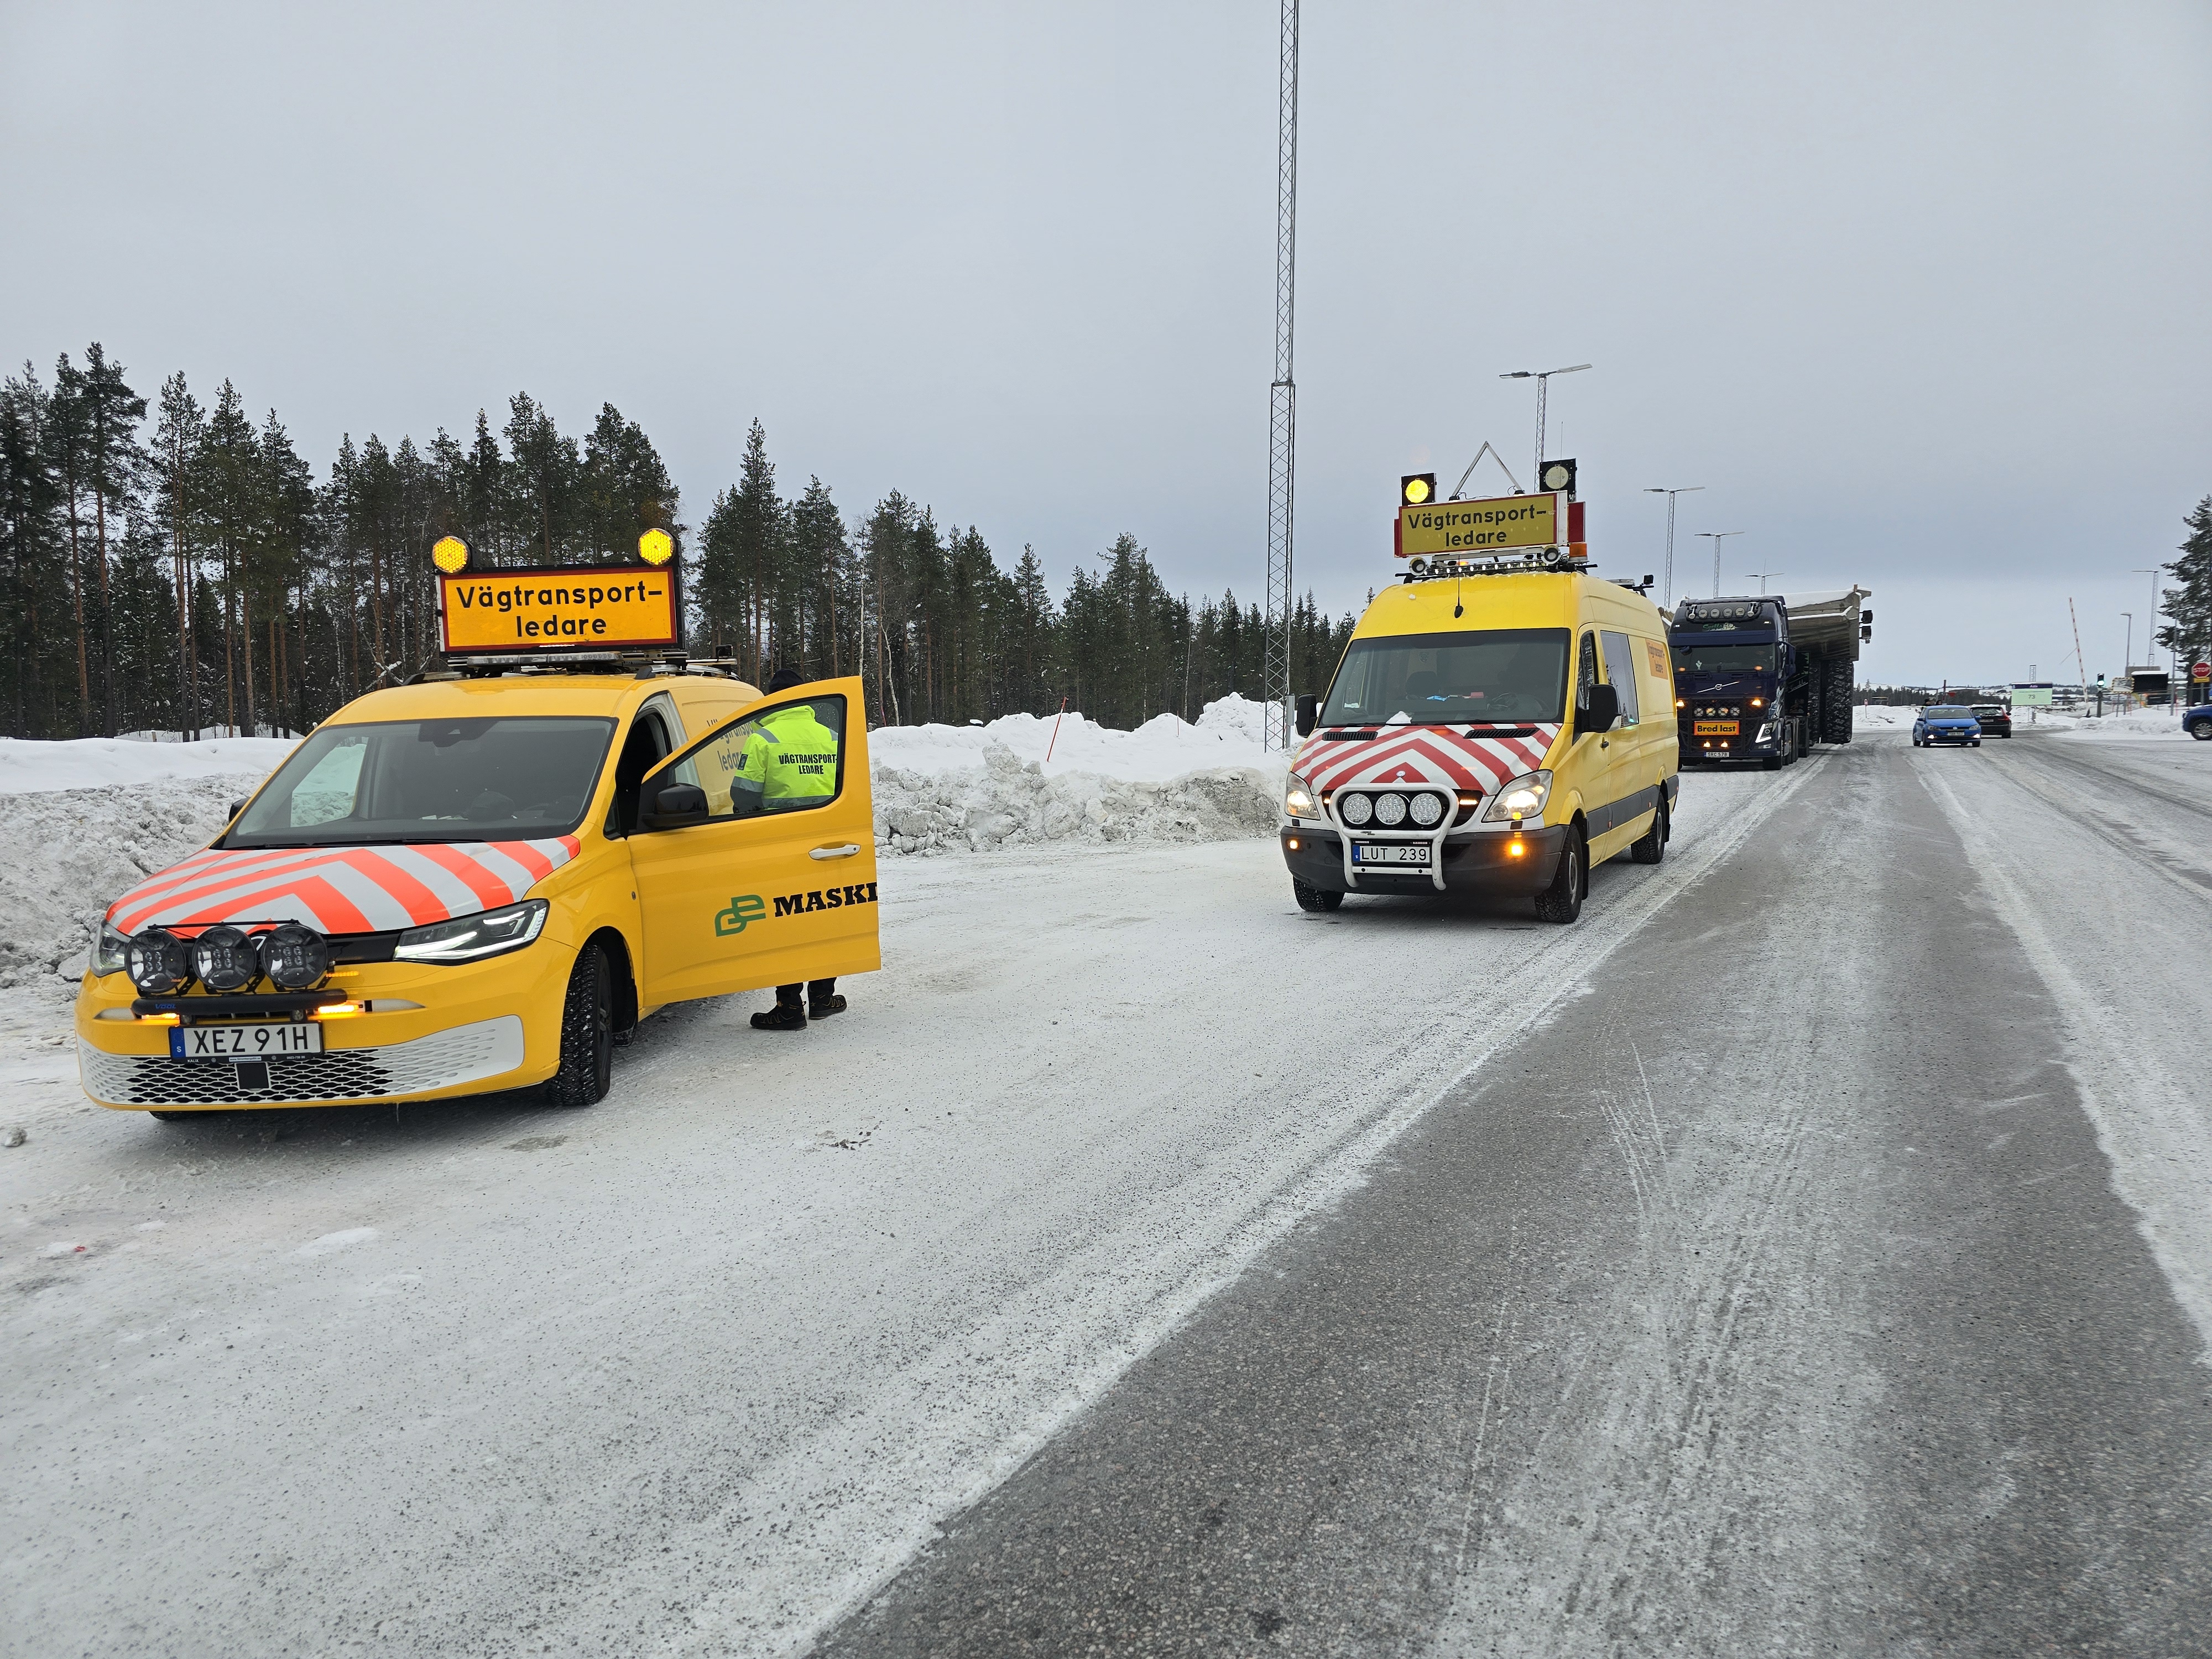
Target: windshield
{"x":1497,"y":675}
{"x":486,"y":779}
{"x":1723,"y":658}
{"x":1946,"y":714}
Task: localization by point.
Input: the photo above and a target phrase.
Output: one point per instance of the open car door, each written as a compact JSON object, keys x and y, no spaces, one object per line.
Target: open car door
{"x":741,"y":886}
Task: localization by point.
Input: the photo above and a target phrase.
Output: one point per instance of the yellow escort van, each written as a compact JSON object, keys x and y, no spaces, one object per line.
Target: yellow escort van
{"x":1495,"y":727}
{"x":475,"y":881}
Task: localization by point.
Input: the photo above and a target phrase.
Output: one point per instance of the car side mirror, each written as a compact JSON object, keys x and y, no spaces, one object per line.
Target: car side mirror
{"x":1309,"y":713}
{"x":1599,"y":707}
{"x":676,"y":805}
{"x":236,"y":808}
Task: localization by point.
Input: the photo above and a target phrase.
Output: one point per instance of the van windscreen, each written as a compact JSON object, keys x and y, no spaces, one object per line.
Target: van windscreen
{"x":1502,"y":675}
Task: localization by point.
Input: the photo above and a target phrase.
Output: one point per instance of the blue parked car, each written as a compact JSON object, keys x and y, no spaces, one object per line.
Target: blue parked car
{"x":2197,"y":722}
{"x":1944,"y":724}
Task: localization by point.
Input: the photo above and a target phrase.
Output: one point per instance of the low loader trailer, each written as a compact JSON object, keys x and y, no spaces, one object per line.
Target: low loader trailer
{"x":1765,"y":678}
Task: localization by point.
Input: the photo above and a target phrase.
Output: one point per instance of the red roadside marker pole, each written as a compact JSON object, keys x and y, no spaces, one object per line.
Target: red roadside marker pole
{"x":1055,"y":731}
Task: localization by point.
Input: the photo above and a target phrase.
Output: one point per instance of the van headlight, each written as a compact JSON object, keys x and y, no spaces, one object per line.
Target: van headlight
{"x":1299,"y":800}
{"x":470,"y":938}
{"x":1522,"y":797}
{"x":111,"y":950}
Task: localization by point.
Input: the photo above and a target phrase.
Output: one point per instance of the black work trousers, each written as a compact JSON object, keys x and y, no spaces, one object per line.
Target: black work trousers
{"x":817,"y":989}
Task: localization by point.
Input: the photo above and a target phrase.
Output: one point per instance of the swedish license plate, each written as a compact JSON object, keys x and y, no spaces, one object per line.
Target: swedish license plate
{"x":244,"y":1042}
{"x":1716,"y":729}
{"x":1391,"y":852}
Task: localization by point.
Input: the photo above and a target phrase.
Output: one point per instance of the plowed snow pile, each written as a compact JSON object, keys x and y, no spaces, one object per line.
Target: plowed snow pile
{"x":85,"y":821}
{"x":952,"y":788}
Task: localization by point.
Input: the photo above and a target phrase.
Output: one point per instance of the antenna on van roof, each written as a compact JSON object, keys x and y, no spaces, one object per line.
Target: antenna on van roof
{"x":1488,"y":450}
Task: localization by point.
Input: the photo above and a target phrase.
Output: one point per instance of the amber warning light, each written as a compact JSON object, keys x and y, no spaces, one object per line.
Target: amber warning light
{"x":579,"y":608}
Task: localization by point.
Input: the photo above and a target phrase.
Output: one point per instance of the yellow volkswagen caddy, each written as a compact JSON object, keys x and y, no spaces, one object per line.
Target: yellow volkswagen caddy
{"x":1489,"y":731}
{"x":471,"y":885}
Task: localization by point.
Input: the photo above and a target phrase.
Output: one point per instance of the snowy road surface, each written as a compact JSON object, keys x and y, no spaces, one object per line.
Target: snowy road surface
{"x":1808,"y":1251}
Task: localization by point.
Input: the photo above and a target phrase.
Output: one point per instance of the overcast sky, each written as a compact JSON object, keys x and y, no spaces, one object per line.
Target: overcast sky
{"x":1918,"y":292}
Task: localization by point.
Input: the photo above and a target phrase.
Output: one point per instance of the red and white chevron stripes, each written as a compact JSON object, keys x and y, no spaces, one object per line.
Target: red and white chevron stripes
{"x":341,"y":890}
{"x":1450,"y":757}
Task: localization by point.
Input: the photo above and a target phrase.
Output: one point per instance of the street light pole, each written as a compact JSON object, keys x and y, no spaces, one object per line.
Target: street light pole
{"x":1716,"y":537}
{"x":1763,"y":575}
{"x":1686,"y":490}
{"x":1542,"y":377}
{"x":2128,"y":651}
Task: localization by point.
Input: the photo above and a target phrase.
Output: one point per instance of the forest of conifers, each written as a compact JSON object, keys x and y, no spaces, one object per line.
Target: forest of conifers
{"x":175,"y":565}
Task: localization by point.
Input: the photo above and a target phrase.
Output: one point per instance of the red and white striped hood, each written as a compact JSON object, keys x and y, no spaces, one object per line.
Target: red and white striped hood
{"x":341,"y":890}
{"x":1456,"y":757}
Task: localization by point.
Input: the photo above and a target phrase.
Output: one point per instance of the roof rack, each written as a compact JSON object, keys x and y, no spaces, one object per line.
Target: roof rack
{"x":1519,"y":563}
{"x":641,"y":664}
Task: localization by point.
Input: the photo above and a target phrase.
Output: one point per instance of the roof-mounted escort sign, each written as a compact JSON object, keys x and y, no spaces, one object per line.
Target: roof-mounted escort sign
{"x":1538,"y":520}
{"x":580,"y":607}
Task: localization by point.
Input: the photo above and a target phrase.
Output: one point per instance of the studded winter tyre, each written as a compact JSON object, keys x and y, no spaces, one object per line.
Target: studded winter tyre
{"x":1651,"y":846}
{"x":1310,"y":897}
{"x":588,"y":1034}
{"x":1562,"y":902}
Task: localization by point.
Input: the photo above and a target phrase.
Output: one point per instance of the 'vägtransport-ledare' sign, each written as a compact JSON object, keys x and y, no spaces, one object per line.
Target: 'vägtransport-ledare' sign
{"x":583,"y":607}
{"x":1477,"y":527}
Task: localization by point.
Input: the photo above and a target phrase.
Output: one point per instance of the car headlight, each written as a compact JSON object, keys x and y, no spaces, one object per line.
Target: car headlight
{"x":1299,"y":800}
{"x":296,"y":956}
{"x":470,"y":938}
{"x":111,"y":950}
{"x":1521,"y":797}
{"x":225,"y":960}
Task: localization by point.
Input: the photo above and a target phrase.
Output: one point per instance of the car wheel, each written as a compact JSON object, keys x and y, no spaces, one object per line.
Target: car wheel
{"x":1978,"y":743}
{"x":588,"y":1034}
{"x":2201,"y":730}
{"x":1651,"y":846}
{"x":1310,"y":897}
{"x":1562,"y":902}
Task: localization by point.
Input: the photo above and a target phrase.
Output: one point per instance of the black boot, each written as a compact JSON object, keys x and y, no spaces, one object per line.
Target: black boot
{"x":823,"y":1007}
{"x":784,"y":1017}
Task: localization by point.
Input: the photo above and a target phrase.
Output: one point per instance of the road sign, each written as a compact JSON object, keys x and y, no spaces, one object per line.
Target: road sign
{"x":2202,"y":671}
{"x":595,"y":607}
{"x":1474,"y":526}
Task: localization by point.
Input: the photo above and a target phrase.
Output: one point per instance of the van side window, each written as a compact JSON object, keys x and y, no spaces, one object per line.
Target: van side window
{"x":789,"y":759}
{"x":1585,"y":667}
{"x":1621,"y":672}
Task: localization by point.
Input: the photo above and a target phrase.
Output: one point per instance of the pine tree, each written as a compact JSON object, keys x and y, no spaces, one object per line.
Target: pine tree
{"x":2189,"y":631}
{"x":115,"y":472}
{"x":179,"y":436}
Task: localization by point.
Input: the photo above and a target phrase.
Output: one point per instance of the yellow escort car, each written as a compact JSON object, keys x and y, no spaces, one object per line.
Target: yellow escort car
{"x":474,"y":882}
{"x":1502,"y":721}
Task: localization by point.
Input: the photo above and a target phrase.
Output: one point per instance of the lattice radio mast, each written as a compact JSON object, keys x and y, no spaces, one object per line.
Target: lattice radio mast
{"x":1282,"y":440}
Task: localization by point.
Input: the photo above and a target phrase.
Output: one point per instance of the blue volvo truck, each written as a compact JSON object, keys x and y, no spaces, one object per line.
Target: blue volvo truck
{"x":1764,"y":678}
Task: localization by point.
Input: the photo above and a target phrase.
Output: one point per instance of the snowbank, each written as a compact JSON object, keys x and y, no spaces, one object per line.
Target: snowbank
{"x":968,"y":789}
{"x":28,"y":765}
{"x":86,"y":820}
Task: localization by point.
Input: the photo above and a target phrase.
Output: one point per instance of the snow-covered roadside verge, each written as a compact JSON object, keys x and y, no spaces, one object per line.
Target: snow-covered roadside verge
{"x":29,"y":766}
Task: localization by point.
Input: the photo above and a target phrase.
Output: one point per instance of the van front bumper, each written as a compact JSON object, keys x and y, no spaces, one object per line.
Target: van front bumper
{"x":1477,"y":864}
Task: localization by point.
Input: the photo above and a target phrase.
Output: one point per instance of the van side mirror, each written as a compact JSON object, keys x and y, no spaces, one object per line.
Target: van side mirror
{"x":1596,"y":709}
{"x":1309,"y":713}
{"x":676,"y":805}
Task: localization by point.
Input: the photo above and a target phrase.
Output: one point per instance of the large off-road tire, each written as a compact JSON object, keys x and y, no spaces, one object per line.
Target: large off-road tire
{"x":1310,"y":897}
{"x":588,"y":1034}
{"x":1562,"y":902}
{"x":1836,"y":703}
{"x":1651,"y":846}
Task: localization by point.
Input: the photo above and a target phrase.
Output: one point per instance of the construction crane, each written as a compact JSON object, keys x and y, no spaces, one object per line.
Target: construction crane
{"x":1282,"y":419}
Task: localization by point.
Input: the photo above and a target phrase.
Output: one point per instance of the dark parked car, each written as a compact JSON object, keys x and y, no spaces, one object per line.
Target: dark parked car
{"x":1994,"y":718}
{"x":2197,"y":722}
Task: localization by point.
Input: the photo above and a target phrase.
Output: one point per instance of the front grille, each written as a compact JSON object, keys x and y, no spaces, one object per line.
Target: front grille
{"x":466,"y":1054}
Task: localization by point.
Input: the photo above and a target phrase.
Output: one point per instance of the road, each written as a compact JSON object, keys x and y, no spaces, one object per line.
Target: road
{"x":1807,"y":1251}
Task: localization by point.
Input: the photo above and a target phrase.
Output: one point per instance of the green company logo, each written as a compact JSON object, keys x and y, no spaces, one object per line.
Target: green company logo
{"x":751,"y":908}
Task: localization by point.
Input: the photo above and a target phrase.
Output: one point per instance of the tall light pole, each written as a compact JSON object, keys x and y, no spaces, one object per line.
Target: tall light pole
{"x":1763,"y":575}
{"x":1542,"y":377}
{"x":1282,"y":421}
{"x":1684,"y":489}
{"x":1716,"y":537}
{"x":2151,"y":626}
